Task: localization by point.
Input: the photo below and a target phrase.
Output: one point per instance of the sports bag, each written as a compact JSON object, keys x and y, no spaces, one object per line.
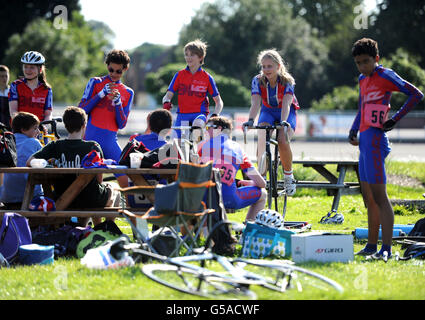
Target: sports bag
{"x":261,"y":241}
{"x":8,"y":155}
{"x":65,"y":239}
{"x":418,"y":229}
{"x":164,"y":157}
{"x":14,"y":232}
{"x":102,"y":233}
{"x":133,"y":146}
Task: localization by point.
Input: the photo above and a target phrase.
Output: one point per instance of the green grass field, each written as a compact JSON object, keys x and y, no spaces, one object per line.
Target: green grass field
{"x":67,"y":279}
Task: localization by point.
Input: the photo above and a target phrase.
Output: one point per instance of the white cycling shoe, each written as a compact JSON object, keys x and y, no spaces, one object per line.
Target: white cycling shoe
{"x":290,"y":186}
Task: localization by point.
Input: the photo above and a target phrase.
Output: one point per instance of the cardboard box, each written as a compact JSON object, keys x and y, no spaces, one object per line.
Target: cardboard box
{"x":322,"y":247}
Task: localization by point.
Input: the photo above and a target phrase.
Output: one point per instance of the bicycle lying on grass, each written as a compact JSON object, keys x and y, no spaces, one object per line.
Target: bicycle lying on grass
{"x":223,"y":277}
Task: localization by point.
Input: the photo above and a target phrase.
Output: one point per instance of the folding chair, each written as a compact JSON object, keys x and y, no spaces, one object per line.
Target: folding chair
{"x":176,"y":204}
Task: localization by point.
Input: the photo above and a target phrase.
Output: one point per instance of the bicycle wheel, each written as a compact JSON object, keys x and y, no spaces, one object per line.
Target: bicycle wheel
{"x":200,"y":282}
{"x":281,"y":276}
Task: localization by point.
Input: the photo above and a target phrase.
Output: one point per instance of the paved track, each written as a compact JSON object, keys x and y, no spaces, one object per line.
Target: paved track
{"x":304,"y":150}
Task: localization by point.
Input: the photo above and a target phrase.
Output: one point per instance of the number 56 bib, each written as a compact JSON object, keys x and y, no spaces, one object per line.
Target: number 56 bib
{"x":376,"y":114}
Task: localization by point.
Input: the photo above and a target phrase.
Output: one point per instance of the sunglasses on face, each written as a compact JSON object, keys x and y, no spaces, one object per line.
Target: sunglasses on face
{"x":111,"y":70}
{"x":210,"y":126}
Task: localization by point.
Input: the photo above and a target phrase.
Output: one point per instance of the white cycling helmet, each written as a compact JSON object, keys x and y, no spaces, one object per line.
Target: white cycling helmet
{"x":33,"y":57}
{"x":269,"y":218}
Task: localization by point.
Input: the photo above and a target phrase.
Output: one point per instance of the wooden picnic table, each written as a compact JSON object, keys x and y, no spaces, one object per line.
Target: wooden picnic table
{"x":334,"y":184}
{"x":48,"y":176}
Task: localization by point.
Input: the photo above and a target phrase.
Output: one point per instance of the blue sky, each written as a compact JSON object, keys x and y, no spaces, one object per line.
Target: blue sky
{"x":135,"y":22}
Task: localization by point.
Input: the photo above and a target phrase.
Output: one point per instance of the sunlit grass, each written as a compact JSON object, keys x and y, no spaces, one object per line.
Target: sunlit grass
{"x":67,"y":279}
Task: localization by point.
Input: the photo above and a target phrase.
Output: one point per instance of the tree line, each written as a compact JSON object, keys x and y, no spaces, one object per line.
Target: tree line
{"x":314,"y":37}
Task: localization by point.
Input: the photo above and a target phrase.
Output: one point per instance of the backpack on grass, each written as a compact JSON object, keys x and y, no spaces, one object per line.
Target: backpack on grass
{"x":418,"y":229}
{"x":14,"y":232}
{"x":8,"y":155}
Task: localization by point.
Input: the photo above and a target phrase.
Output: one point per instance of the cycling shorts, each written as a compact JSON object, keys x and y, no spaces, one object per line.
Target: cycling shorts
{"x":107,"y":140}
{"x":238,"y":198}
{"x":187,"y":119}
{"x":374,"y":148}
{"x":273,"y":115}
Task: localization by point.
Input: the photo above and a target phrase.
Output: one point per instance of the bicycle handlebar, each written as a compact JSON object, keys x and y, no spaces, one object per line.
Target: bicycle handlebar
{"x":52,"y":123}
{"x":192,"y":127}
{"x":54,"y":120}
{"x":268,"y":127}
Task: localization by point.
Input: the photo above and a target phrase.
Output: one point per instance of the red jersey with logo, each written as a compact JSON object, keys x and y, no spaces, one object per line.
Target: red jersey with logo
{"x":35,"y":101}
{"x":102,"y":113}
{"x":192,"y":90}
{"x":375,"y":96}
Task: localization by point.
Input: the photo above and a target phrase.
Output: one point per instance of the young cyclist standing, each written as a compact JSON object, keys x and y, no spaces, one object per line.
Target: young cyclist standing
{"x":274,"y":96}
{"x":376,"y":86}
{"x":107,"y":102}
{"x":192,"y":85}
{"x":32,"y":93}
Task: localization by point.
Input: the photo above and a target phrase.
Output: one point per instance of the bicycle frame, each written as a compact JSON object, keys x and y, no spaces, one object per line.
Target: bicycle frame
{"x":237,"y":278}
{"x":189,"y":146}
{"x":46,"y":137}
{"x":272,"y":163}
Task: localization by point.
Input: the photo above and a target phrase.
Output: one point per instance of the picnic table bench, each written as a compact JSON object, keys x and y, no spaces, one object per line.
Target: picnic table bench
{"x":47,"y":177}
{"x":335,"y":185}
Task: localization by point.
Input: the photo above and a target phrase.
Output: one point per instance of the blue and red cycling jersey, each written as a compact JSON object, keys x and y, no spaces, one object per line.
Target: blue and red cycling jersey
{"x":375,"y":93}
{"x":192,"y":90}
{"x":272,"y":102}
{"x":104,"y":118}
{"x":374,"y":105}
{"x":229,"y":157}
{"x":101,"y":112}
{"x":35,"y":101}
{"x":273,"y":97}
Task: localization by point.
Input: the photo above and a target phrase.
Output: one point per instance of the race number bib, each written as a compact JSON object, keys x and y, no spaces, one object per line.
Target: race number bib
{"x":228,"y":173}
{"x":376,"y":114}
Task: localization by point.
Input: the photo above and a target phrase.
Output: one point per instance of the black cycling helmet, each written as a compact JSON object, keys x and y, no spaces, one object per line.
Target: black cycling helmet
{"x":416,"y":250}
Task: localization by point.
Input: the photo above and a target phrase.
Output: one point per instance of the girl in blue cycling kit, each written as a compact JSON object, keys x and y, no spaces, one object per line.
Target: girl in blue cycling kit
{"x":273,"y":95}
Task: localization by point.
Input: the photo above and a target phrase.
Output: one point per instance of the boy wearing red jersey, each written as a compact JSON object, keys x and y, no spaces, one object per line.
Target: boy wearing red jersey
{"x":192,"y":85}
{"x":376,"y":86}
